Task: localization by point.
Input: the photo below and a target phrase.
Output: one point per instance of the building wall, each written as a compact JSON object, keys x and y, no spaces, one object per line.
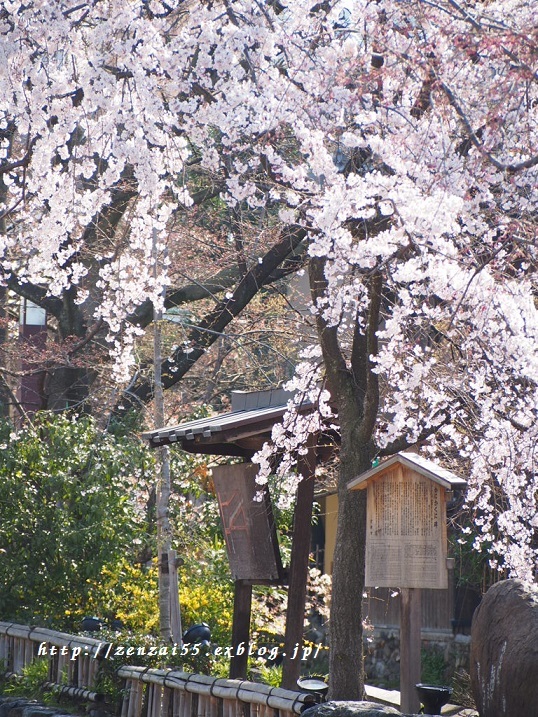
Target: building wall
{"x":444,"y":656}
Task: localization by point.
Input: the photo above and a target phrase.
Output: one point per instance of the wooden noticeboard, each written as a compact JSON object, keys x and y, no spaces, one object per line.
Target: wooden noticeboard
{"x":406,"y":540}
{"x":406,"y":545}
{"x":248,"y":523}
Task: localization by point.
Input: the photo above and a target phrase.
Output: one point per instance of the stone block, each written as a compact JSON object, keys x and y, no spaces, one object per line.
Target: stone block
{"x":504,"y":651}
{"x":350,"y":709}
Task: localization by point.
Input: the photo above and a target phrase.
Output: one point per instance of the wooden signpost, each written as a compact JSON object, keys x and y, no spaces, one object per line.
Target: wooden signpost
{"x":248,"y":523}
{"x":249,"y":526}
{"x":251,"y":543}
{"x":406,"y":545}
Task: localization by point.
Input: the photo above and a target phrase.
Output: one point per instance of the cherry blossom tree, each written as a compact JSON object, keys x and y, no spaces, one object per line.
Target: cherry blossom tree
{"x":396,"y":140}
{"x":423,"y":269}
{"x":94,"y":161}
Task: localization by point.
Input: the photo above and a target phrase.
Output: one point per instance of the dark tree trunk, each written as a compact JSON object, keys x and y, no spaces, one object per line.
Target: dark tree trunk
{"x":346,"y":673}
{"x":355,"y":392}
{"x":69,"y":386}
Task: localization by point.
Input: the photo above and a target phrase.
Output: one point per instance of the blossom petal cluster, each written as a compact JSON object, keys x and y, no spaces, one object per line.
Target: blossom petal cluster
{"x":401,"y":135}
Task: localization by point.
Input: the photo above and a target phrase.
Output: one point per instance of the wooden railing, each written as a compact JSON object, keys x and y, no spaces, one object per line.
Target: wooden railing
{"x":73,"y":659}
{"x":178,"y":694}
{"x":74,"y":665}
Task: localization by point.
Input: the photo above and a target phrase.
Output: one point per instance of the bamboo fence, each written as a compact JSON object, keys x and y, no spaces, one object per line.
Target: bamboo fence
{"x":74,"y":663}
{"x":73,"y":659}
{"x":180,"y":694}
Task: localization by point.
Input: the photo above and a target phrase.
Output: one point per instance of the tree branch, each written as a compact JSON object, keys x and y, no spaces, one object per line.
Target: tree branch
{"x":206,"y":333}
{"x":338,"y":375}
{"x":35,"y":294}
{"x":402,"y":443}
{"x":371,"y":398}
{"x":209,"y":288}
{"x":89,"y":335}
{"x":106,"y":221}
{"x":24,"y":162}
{"x":474,"y":138}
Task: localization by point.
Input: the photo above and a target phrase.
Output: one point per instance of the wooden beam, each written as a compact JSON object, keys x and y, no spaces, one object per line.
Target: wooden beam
{"x":175,"y":608}
{"x":298,"y":577}
{"x":410,"y":624}
{"x":241,"y":629}
{"x":219,"y":449}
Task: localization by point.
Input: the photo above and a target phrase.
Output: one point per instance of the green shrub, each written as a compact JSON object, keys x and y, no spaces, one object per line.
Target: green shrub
{"x":29,"y":683}
{"x":68,"y":500}
{"x":433,"y":667}
{"x":77,"y":533}
{"x":270,"y":674}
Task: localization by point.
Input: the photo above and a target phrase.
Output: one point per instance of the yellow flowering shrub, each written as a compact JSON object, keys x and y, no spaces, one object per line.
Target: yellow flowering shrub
{"x":129,"y":593}
{"x":211,"y":603}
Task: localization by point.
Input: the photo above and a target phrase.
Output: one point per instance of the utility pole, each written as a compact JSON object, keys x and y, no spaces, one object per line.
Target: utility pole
{"x":169,"y":609}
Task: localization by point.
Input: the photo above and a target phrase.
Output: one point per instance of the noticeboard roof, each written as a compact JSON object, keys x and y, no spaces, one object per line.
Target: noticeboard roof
{"x":208,"y":427}
{"x":240,"y":432}
{"x":421,"y":465}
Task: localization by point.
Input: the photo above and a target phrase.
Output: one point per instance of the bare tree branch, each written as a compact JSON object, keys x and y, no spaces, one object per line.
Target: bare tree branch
{"x":35,"y":294}
{"x":474,"y":138}
{"x":211,"y":287}
{"x":206,"y":333}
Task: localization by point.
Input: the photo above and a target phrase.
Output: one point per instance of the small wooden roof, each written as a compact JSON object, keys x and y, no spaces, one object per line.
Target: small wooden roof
{"x":417,"y":463}
{"x":240,"y":433}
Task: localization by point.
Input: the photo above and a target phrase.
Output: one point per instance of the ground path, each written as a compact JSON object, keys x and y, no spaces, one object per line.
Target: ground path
{"x":392,"y":698}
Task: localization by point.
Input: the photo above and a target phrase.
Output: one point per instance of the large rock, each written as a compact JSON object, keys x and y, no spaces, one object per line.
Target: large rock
{"x":350,"y":709}
{"x":504,"y":651}
{"x":22,"y":707}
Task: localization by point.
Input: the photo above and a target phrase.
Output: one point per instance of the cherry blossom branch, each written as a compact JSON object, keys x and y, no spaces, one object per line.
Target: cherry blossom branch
{"x":403,"y":444}
{"x":464,"y":14}
{"x":473,"y":276}
{"x":76,"y":8}
{"x":10,"y":166}
{"x":519,"y":63}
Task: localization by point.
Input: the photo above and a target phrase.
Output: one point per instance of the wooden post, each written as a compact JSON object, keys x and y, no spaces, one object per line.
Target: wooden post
{"x":175,"y":610}
{"x":241,"y":629}
{"x":451,"y":602}
{"x":164,"y":530}
{"x":300,"y":551}
{"x":410,"y":624}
